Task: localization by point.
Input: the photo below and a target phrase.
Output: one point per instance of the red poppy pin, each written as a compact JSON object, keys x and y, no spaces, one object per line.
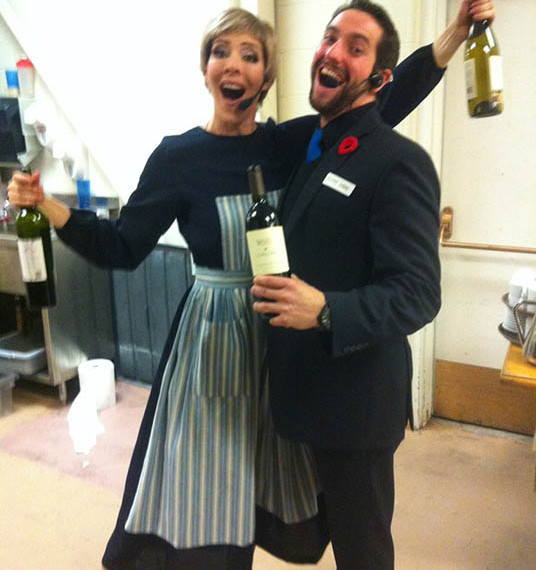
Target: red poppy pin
{"x":348,"y":145}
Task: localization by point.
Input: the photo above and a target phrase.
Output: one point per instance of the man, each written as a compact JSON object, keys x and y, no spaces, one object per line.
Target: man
{"x":361,"y":224}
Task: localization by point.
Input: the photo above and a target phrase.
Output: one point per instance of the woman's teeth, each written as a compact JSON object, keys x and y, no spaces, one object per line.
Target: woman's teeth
{"x":232,"y":91}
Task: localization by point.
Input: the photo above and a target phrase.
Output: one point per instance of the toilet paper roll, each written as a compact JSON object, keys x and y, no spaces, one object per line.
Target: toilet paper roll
{"x":97,"y":377}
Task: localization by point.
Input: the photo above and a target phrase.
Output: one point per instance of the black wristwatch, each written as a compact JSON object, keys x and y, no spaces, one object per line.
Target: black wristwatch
{"x":324,"y":318}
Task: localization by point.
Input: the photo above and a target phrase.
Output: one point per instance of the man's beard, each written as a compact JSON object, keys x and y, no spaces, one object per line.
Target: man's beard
{"x":342,"y":102}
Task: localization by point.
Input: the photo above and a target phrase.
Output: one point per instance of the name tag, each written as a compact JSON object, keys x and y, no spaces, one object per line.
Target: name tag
{"x":344,"y":187}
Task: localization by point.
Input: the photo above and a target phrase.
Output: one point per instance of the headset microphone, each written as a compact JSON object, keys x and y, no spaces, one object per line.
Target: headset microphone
{"x":246,"y":103}
{"x":375,"y":80}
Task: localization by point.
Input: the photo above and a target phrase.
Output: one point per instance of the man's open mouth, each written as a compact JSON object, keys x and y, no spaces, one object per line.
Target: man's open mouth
{"x":232,"y":91}
{"x":330,"y":78}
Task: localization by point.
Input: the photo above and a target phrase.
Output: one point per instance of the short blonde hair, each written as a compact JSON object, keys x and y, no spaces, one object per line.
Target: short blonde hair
{"x":235,"y":21}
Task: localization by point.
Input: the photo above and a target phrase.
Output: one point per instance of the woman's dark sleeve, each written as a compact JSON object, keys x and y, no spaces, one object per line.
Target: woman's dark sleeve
{"x":413,"y":79}
{"x":125,"y":242}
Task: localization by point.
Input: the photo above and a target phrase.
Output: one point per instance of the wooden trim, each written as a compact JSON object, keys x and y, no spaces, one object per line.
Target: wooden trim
{"x":476,"y":395}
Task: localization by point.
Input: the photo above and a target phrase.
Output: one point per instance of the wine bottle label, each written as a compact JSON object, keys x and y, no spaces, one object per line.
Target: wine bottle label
{"x":495,"y":76}
{"x":496,"y":73}
{"x":470,"y":78}
{"x":267,"y":251}
{"x":32,"y":260}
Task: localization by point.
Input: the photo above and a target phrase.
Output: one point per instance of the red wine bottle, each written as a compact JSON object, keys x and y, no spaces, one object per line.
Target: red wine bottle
{"x":264,"y":233}
{"x":35,"y":254}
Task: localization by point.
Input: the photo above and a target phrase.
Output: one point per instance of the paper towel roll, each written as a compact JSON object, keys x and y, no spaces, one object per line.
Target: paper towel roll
{"x":97,"y":377}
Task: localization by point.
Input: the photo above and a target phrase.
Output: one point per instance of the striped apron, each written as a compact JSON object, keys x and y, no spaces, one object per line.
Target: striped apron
{"x":213,"y":452}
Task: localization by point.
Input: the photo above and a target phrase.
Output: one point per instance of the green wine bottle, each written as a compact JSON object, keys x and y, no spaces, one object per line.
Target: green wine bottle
{"x":483,"y":71}
{"x":35,"y":255}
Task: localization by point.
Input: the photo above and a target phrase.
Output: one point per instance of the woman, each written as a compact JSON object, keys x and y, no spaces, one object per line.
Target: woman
{"x":209,"y":478}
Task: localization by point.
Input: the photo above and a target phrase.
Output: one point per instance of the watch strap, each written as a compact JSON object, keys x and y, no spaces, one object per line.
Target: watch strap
{"x":324,"y":318}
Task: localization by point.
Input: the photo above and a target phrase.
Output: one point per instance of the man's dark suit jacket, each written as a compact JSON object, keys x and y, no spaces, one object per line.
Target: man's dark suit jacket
{"x":374,"y":254}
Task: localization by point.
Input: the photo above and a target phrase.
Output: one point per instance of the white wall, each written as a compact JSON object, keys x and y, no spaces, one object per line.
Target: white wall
{"x":488,"y":178}
{"x":53,"y":174}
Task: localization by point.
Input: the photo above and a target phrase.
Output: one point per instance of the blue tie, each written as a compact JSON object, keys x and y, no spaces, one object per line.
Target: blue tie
{"x":314,"y":149}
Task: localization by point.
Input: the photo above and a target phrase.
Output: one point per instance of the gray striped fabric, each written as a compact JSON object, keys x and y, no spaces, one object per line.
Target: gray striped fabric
{"x":213,"y":451}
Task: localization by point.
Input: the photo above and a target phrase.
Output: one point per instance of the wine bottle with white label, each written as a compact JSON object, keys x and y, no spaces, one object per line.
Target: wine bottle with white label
{"x":264,"y":233}
{"x":35,"y":255}
{"x":483,"y":71}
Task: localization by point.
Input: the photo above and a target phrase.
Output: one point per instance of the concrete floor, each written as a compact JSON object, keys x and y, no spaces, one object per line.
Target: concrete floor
{"x":465,"y":495}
